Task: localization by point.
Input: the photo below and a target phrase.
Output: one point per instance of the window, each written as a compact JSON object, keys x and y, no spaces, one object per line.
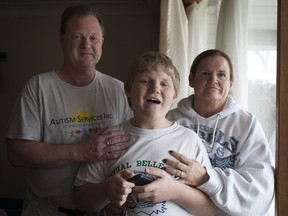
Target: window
{"x":261,"y":63}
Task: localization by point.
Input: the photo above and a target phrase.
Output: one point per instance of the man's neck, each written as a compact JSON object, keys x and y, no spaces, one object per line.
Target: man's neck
{"x":76,"y":78}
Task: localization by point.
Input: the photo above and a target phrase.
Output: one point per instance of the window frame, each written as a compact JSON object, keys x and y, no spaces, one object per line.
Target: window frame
{"x":282,"y":107}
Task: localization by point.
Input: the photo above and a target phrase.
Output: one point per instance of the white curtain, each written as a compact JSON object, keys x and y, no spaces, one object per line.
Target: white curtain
{"x":197,"y":28}
{"x":181,"y":34}
{"x":174,"y":39}
{"x":232,"y":38}
{"x":184,"y":33}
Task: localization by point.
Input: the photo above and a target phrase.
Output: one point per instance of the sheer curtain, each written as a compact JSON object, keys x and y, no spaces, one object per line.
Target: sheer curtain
{"x":174,"y":40}
{"x":232,"y":37}
{"x":184,"y":33}
{"x":181,"y":32}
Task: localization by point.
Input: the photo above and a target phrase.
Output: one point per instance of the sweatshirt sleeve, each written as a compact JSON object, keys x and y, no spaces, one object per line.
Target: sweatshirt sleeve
{"x":248,"y":189}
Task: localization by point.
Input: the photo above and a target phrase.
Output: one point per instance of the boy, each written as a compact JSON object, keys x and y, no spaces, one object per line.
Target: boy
{"x":151,"y":88}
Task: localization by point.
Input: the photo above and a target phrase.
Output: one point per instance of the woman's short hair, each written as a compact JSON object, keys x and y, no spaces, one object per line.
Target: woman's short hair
{"x":211,"y":53}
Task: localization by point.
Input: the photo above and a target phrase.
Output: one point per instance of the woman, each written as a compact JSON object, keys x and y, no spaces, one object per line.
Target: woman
{"x":241,"y":181}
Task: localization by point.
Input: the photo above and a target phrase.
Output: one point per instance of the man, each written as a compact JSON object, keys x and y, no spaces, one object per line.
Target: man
{"x":60,"y":118}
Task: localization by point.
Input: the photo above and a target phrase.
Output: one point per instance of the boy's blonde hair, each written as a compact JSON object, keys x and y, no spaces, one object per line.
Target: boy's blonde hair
{"x":153,"y":61}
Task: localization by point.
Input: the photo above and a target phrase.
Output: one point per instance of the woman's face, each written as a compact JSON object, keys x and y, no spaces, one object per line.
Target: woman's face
{"x":212,"y":80}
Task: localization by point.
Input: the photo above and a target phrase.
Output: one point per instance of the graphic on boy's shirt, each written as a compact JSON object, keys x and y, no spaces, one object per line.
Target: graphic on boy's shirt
{"x":138,"y":163}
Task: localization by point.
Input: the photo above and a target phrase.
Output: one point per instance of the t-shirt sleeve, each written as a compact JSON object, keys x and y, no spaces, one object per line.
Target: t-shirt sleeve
{"x":25,"y":121}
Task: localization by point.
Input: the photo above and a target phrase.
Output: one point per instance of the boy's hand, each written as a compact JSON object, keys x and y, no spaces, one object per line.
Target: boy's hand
{"x":119,"y":188}
{"x":155,"y":191}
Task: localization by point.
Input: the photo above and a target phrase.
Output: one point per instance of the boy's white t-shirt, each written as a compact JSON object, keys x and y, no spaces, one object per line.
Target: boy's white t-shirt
{"x":147,"y":149}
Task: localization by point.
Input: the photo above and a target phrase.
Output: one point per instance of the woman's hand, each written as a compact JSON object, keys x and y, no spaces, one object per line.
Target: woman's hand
{"x":189,"y":171}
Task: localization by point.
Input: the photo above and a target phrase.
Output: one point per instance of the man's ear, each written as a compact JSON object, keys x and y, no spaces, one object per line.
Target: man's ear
{"x":191,"y":80}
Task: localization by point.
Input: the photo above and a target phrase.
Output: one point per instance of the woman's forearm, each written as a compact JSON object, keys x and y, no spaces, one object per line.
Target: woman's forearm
{"x":194,"y":200}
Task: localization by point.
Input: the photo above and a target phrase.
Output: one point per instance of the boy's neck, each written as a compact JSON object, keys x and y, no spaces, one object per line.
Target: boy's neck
{"x":150,"y":124}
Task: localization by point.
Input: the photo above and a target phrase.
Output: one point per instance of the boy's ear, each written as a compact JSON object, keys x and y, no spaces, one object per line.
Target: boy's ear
{"x":128,"y":92}
{"x":128,"y":95}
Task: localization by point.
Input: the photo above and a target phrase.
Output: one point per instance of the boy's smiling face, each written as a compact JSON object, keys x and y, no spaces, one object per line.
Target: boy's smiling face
{"x":152,"y":95}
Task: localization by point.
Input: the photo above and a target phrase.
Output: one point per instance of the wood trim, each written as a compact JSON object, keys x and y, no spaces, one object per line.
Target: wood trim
{"x":282,"y":107}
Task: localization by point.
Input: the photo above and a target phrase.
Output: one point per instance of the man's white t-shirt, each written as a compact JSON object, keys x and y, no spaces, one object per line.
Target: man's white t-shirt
{"x":53,"y":111}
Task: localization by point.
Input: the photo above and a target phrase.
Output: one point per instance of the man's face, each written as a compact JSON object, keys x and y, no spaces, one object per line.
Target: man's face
{"x":82,"y":42}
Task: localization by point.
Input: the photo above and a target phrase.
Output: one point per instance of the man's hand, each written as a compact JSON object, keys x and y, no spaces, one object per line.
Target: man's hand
{"x":102,"y":146}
